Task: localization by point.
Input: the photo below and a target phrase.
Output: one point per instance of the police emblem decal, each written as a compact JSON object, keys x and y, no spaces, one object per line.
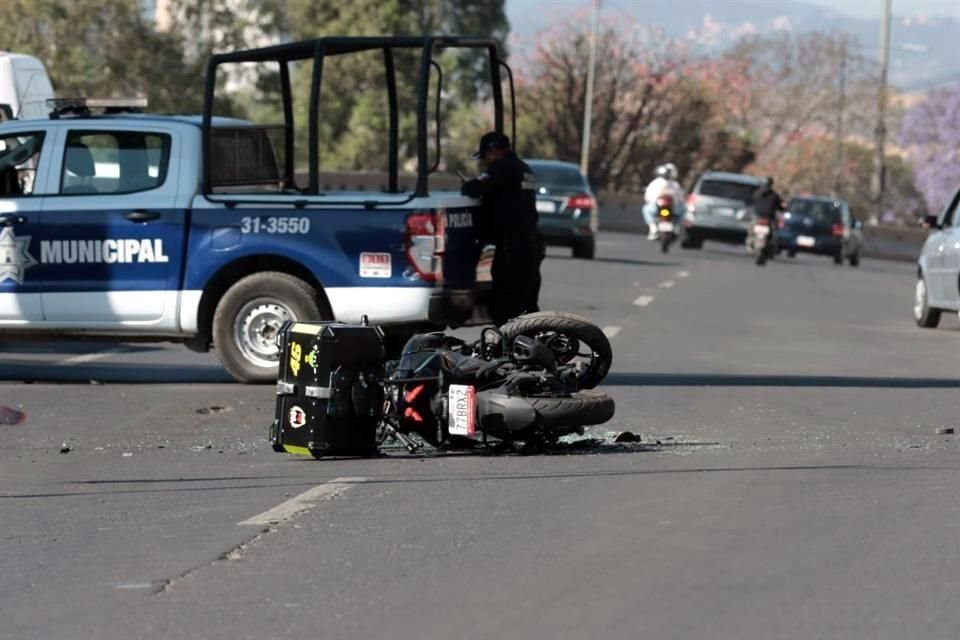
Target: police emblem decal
{"x":15,"y":256}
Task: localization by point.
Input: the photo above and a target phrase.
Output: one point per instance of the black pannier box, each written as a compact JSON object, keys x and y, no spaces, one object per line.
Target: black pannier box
{"x":329,"y":396}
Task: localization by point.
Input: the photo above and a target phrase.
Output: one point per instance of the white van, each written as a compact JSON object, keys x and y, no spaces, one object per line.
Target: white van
{"x":24,"y":86}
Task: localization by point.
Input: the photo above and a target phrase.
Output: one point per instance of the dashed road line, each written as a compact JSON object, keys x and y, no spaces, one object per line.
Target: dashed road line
{"x":666,"y":285}
{"x":303,"y":502}
{"x":611,"y":332}
{"x":643,"y":301}
{"x":683,"y":274}
{"x":97,"y":355}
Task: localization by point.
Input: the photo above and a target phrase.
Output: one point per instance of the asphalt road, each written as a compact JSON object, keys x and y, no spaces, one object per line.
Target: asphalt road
{"x":789,"y":483}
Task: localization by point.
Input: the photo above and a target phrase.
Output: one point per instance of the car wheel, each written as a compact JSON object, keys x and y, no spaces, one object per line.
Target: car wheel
{"x":585,"y":250}
{"x":926,"y":316}
{"x":248,"y":320}
{"x":691,"y":242}
{"x":838,"y":258}
{"x":792,"y":254}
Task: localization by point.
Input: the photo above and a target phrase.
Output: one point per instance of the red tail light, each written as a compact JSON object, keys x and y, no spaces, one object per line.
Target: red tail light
{"x":581,"y":201}
{"x":763,"y":222}
{"x":425,"y":243}
{"x":691,"y":203}
{"x":838,"y":229}
{"x":781,"y":222}
{"x":665,"y":202}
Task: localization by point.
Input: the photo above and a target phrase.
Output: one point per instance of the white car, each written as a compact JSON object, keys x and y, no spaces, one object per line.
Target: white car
{"x":938,"y":272}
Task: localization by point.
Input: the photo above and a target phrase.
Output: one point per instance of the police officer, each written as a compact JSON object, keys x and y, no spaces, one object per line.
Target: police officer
{"x":508,"y":220}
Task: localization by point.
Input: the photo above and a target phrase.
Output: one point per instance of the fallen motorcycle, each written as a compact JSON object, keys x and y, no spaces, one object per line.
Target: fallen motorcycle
{"x":526,"y":382}
{"x":443,"y":389}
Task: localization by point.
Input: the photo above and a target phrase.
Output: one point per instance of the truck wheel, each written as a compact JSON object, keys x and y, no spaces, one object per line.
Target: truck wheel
{"x":248,"y":320}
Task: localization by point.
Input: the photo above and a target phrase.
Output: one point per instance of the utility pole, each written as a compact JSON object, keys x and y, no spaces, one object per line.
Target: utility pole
{"x":842,"y":99}
{"x":588,"y":108}
{"x":879,"y":170}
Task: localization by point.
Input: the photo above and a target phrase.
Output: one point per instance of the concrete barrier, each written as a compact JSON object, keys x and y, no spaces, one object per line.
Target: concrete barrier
{"x":622,"y":211}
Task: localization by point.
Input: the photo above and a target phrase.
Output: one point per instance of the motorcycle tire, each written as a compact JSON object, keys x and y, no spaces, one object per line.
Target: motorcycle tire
{"x":582,"y":409}
{"x":665,"y":244}
{"x":580,"y":330}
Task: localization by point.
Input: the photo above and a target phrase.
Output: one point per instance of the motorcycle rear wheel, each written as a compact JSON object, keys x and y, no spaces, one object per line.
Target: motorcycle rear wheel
{"x":564,"y":333}
{"x":582,"y":409}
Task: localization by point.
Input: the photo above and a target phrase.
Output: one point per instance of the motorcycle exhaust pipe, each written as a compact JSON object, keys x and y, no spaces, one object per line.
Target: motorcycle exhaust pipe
{"x":503,"y":413}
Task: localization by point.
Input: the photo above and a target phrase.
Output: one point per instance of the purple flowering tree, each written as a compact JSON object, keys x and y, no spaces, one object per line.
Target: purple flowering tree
{"x":931,"y":136}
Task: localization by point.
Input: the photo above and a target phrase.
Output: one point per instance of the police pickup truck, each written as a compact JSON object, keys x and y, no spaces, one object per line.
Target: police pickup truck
{"x":110,"y":227}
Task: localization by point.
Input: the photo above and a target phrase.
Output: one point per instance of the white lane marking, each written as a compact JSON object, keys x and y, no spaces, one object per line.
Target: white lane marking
{"x":97,"y":355}
{"x":303,"y":502}
{"x":666,"y":285}
{"x":683,"y":274}
{"x":643,"y":301}
{"x":611,"y":332}
{"x":138,"y":585}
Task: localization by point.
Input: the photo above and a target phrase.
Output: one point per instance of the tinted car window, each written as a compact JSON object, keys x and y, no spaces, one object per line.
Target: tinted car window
{"x":817,"y":210}
{"x":558,"y":176}
{"x":731,"y":190}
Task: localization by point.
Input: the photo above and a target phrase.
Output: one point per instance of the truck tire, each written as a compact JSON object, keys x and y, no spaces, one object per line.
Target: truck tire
{"x":248,"y":319}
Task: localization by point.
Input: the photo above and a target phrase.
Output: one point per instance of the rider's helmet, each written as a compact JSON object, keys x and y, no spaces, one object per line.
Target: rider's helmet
{"x":662,"y":171}
{"x":672,"y":173}
{"x":768,"y":182}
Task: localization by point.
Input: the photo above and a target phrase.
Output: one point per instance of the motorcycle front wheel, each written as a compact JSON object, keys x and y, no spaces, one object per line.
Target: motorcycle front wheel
{"x":577,"y":342}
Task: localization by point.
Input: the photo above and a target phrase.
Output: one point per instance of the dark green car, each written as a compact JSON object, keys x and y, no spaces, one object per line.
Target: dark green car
{"x":567,"y":207}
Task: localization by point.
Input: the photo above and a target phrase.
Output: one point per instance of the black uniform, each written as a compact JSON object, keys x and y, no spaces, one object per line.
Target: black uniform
{"x":508,"y":220}
{"x":766,"y":203}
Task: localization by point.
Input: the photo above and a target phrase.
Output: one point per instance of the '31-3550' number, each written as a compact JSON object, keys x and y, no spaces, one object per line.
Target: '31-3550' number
{"x":275,"y":225}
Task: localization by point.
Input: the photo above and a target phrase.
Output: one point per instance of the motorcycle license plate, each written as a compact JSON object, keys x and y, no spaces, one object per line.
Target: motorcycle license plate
{"x":761,"y":231}
{"x":462,"y":410}
{"x":806,"y":241}
{"x":665,"y":227}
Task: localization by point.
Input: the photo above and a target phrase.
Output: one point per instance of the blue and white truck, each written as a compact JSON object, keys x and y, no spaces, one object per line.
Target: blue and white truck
{"x":140,"y":227}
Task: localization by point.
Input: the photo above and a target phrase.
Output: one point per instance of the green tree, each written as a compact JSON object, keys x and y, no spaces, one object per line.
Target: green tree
{"x":96,"y":47}
{"x":354,"y":118}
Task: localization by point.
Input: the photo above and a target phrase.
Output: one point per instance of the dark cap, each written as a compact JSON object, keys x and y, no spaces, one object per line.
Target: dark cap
{"x":491,"y":140}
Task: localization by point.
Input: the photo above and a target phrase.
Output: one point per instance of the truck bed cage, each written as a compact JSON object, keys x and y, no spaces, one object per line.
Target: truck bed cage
{"x":320,"y":48}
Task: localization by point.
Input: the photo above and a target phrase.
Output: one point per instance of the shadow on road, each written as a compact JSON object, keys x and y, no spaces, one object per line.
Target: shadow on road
{"x":796,"y":381}
{"x":73,"y":347}
{"x":113,"y":373}
{"x":473,"y":478}
{"x":629,"y":261}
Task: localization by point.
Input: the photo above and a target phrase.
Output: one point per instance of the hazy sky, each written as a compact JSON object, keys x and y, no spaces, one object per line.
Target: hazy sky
{"x":874,"y":8}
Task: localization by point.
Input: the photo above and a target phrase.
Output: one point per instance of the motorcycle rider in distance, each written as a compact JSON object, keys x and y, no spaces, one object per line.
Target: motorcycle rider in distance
{"x":664,"y":184}
{"x":767,"y":203}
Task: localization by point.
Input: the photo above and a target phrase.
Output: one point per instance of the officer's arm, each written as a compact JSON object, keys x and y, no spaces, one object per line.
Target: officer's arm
{"x":483,"y":184}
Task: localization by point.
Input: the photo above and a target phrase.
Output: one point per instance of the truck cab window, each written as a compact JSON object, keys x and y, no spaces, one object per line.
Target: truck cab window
{"x":114,"y":162}
{"x":19,"y":156}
